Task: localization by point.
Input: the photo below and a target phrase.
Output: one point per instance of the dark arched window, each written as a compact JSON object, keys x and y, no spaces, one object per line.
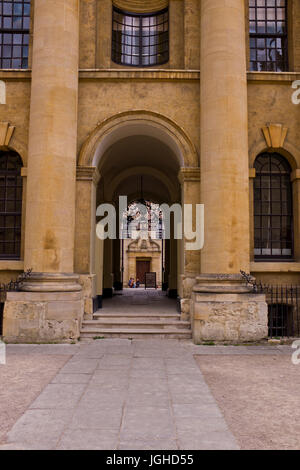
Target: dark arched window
{"x":14,"y":33}
{"x":10,"y":205}
{"x":273,"y":208}
{"x":268,"y":35}
{"x":140,"y":40}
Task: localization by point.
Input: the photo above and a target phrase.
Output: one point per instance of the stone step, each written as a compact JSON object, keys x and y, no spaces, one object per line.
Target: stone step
{"x":135,"y":323}
{"x":135,"y":333}
{"x":138,"y":316}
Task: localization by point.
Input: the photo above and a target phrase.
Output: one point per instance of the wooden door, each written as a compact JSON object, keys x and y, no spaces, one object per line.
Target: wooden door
{"x":142,"y":267}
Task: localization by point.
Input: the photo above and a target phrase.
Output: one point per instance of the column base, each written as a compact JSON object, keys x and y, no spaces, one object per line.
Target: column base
{"x":50,"y":308}
{"x":223,"y":308}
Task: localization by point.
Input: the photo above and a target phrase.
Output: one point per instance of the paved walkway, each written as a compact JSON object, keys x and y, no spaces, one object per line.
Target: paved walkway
{"x":139,"y":301}
{"x":121,"y":394}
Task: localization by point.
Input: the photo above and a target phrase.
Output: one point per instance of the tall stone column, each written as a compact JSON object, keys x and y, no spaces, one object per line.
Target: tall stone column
{"x":222,"y":301}
{"x":224,"y":137}
{"x":50,"y":215}
{"x":53,"y":291}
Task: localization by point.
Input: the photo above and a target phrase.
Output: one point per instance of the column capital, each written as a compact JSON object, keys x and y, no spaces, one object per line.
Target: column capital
{"x":88,"y":173}
{"x":189,"y":174}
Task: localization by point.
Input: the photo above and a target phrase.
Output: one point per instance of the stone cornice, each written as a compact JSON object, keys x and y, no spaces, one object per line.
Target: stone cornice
{"x":153,"y":74}
{"x":139,"y":74}
{"x":15,"y":74}
{"x":273,"y":77}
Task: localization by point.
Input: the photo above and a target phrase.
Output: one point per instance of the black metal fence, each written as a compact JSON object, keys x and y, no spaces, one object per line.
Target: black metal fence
{"x":11,"y":286}
{"x":283,"y":310}
{"x":283,"y":307}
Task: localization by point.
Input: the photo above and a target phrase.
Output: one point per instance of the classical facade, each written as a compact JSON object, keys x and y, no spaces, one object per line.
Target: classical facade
{"x":199,"y":97}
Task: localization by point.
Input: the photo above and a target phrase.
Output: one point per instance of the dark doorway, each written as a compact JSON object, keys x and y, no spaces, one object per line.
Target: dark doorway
{"x":142,"y":267}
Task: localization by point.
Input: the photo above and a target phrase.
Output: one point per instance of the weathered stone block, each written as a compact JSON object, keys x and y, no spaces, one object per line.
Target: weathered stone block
{"x":216,"y":318}
{"x":46,"y":321}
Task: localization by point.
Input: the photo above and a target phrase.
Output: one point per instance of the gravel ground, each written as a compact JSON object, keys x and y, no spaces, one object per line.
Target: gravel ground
{"x":21,"y":380}
{"x":259,"y":396}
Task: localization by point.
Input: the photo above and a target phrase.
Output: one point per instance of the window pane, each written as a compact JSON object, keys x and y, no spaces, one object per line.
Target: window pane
{"x":273,"y":209}
{"x":143,"y":39}
{"x":268,"y":18}
{"x":10,"y":204}
{"x":14,"y":18}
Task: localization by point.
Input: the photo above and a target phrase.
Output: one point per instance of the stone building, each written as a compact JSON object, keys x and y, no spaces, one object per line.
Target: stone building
{"x":197,"y":96}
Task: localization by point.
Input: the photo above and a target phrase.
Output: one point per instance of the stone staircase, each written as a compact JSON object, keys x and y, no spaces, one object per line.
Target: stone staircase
{"x":136,"y":325}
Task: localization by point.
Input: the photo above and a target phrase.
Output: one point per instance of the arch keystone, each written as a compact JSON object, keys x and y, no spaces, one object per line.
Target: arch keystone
{"x":6,"y":132}
{"x":275,"y":135}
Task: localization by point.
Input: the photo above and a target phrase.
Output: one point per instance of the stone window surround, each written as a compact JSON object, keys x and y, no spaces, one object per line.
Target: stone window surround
{"x":292,"y":265}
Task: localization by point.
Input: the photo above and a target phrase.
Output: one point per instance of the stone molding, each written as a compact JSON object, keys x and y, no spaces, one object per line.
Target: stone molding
{"x":185,"y":149}
{"x":140,"y":74}
{"x":11,"y":265}
{"x":154,"y":74}
{"x":88,"y":173}
{"x":274,"y":267}
{"x":52,"y":282}
{"x":252,"y":173}
{"x":295,"y":175}
{"x":140,"y":6}
{"x":221,"y":283}
{"x":189,"y":174}
{"x":2,"y":92}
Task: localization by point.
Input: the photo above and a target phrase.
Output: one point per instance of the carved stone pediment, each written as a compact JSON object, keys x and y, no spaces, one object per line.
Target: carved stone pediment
{"x":143,"y":245}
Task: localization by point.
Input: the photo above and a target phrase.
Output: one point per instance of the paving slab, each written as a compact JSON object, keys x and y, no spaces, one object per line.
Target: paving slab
{"x":59,"y":396}
{"x":39,"y":429}
{"x":89,"y":439}
{"x":64,"y":378}
{"x":122,"y":394}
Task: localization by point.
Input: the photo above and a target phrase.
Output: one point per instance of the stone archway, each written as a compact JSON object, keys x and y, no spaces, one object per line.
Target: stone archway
{"x":131,"y":122}
{"x":180,"y":177}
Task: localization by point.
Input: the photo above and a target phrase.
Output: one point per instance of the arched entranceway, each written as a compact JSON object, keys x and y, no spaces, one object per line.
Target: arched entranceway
{"x":118,"y":153}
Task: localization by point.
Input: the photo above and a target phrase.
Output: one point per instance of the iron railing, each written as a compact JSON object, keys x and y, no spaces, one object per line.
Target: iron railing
{"x":283,"y":307}
{"x":10,"y":287}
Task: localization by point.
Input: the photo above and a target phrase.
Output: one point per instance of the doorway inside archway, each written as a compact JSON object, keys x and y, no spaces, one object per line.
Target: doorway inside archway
{"x":145,"y":171}
{"x":142,"y":245}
